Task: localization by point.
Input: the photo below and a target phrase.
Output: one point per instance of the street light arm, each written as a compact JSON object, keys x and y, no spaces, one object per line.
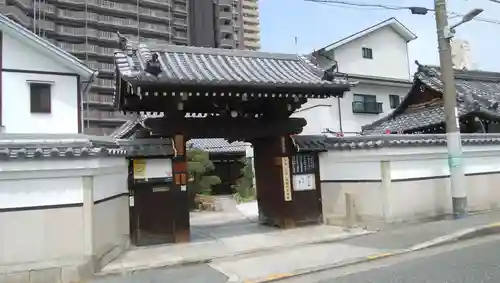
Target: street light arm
{"x":467,"y":18}
{"x":472,"y":14}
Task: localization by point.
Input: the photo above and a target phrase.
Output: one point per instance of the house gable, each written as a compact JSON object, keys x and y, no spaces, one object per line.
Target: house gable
{"x":389,"y":51}
{"x":18,"y":56}
{"x":386,"y":62}
{"x":12,"y":32}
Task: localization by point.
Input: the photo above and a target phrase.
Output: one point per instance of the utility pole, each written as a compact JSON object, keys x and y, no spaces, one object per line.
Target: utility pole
{"x":453,"y":139}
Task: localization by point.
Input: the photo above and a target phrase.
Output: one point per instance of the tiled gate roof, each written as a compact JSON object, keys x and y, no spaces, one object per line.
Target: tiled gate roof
{"x":182,"y":64}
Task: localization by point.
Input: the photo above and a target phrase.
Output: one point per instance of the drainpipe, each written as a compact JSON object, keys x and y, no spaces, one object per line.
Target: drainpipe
{"x":320,"y":53}
{"x":338,"y":105}
{"x":85,"y":93}
{"x":340,"y":115}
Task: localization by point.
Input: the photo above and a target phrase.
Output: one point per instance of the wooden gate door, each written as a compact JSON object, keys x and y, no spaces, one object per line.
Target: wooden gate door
{"x":154,"y":213}
{"x":306,"y":189}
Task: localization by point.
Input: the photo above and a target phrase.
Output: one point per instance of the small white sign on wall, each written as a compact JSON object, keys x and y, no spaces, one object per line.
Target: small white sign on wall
{"x":152,"y":168}
{"x":304,"y":182}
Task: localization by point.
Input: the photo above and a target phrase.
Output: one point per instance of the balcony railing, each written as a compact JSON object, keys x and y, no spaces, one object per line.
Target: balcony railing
{"x":104,"y":83}
{"x":250,"y":4}
{"x":252,"y":28}
{"x":181,"y":23}
{"x":252,"y":36}
{"x":250,"y":12}
{"x":226,"y":42}
{"x":99,"y":99}
{"x":180,"y":9}
{"x":106,"y":67}
{"x":367,"y":107}
{"x":105,"y":115}
{"x":225,"y":3}
{"x":225,"y":15}
{"x":98,"y":131}
{"x":226,"y":29}
{"x":18,"y":14}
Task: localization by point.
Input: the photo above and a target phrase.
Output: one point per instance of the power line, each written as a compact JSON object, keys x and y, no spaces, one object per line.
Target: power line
{"x":359,"y":4}
{"x":415,"y":10}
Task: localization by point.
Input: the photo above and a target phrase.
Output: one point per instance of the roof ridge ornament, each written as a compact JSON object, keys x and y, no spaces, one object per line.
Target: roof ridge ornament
{"x":151,"y":60}
{"x":153,"y":66}
{"x":122,"y":41}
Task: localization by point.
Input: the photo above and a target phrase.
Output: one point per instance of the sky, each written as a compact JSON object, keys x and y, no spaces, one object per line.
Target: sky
{"x":316,"y":25}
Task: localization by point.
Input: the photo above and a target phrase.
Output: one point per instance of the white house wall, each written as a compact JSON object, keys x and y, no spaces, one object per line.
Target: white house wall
{"x":325,"y":114}
{"x":390,"y":55}
{"x":20,"y":56}
{"x":16,"y":115}
{"x":318,"y":117}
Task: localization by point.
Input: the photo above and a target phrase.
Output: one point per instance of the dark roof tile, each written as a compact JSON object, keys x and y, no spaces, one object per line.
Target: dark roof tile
{"x":147,"y":147}
{"x":379,"y":141}
{"x":477,"y":91}
{"x":218,"y":145}
{"x":35,"y":146}
{"x":187,"y":65}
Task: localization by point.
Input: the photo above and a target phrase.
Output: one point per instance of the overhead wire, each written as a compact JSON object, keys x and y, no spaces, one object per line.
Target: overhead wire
{"x":372,"y":6}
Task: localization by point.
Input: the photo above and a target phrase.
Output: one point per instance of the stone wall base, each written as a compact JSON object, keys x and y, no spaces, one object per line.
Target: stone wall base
{"x":378,"y":223}
{"x":59,"y":271}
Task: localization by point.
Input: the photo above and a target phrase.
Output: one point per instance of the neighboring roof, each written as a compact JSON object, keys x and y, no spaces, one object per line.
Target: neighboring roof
{"x":18,"y":31}
{"x":310,"y":143}
{"x":182,"y":65}
{"x":477,"y":92}
{"x":34,"y":146}
{"x":128,"y":129}
{"x":379,"y":80}
{"x":125,"y":136}
{"x":147,"y":147}
{"x":324,"y":143}
{"x":218,"y":145}
{"x":398,"y":27}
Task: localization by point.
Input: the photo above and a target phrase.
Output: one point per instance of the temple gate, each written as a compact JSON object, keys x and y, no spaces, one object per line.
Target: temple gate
{"x":183,"y":92}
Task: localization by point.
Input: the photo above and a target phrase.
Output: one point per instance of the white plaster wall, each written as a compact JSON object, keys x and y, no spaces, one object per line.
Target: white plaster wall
{"x":16,"y":115}
{"x":111,"y":211}
{"x":18,"y":55}
{"x":318,"y":117}
{"x":324,"y":113}
{"x":111,"y":184}
{"x":418,"y":185}
{"x":33,"y":236}
{"x":111,"y":225}
{"x":41,"y":207}
{"x":390,"y":55}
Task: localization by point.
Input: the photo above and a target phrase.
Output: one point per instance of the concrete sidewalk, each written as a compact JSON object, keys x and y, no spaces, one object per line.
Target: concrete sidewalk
{"x":225,"y":241}
{"x":283,"y":254}
{"x":391,"y":241}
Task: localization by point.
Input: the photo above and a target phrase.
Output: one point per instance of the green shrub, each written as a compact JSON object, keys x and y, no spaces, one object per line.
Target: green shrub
{"x":199,"y":170}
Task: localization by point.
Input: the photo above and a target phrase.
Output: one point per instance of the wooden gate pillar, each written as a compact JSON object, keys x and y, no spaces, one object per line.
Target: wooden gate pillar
{"x":273,"y":180}
{"x":180,"y":195}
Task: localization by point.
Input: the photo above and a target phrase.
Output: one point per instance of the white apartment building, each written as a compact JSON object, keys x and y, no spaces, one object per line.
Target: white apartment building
{"x":251,"y":24}
{"x":377,"y":59}
{"x":41,"y":85}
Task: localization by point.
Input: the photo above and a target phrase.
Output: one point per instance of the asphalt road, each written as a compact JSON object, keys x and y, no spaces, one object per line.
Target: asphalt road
{"x":474,"y":261}
{"x":201,"y":273}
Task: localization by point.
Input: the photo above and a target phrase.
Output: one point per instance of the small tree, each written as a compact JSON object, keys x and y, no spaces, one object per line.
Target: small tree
{"x":199,"y":168}
{"x":244,"y":186}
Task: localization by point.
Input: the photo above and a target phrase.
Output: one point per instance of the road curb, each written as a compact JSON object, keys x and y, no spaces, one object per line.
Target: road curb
{"x":209,"y":259}
{"x":465,"y":234}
